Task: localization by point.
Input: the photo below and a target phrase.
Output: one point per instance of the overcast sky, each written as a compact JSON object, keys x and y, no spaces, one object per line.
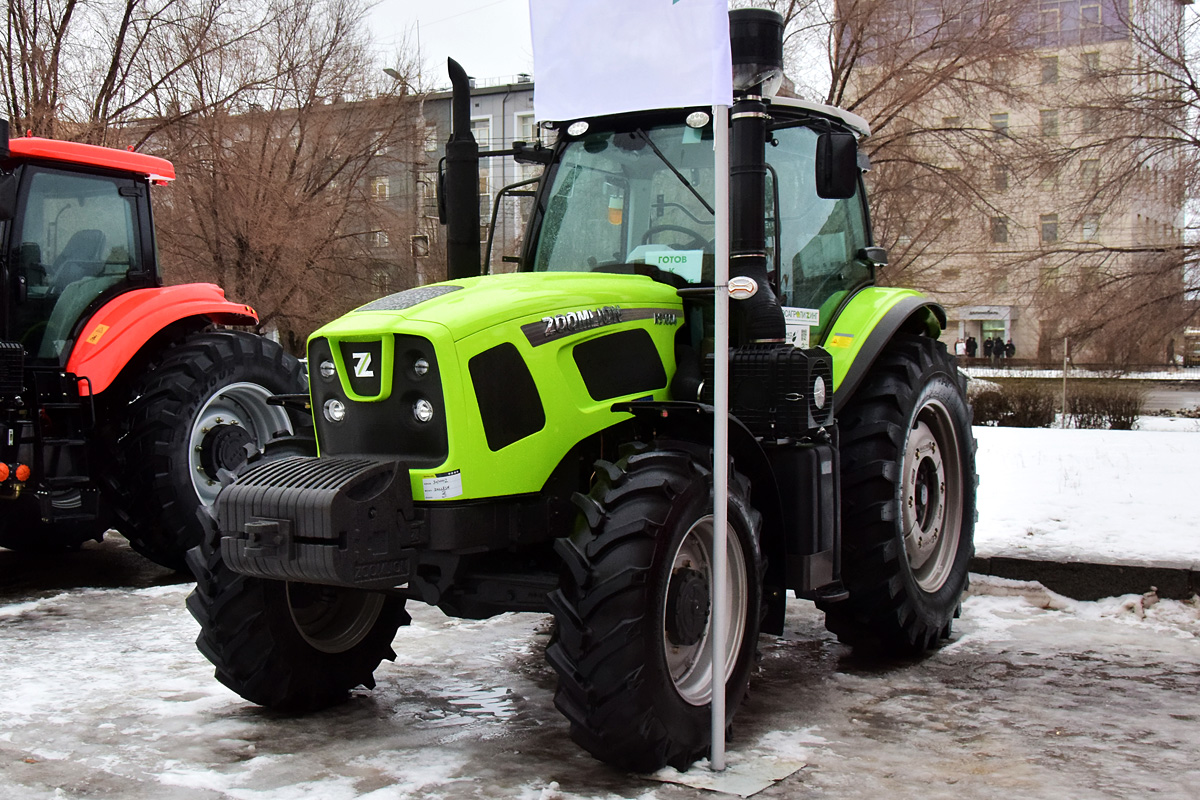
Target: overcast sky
{"x":490,"y":38}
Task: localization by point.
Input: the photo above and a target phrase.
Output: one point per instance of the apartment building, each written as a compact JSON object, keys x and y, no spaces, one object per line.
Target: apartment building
{"x":1060,"y":200}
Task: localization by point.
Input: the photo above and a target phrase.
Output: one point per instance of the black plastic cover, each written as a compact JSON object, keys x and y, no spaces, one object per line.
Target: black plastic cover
{"x":335,"y":521}
{"x":772,"y":389}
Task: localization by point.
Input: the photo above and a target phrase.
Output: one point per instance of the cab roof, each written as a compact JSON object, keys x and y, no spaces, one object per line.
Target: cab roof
{"x":153,"y":167}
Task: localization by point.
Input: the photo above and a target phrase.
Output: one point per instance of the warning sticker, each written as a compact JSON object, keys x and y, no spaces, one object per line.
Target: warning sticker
{"x":442,"y":486}
{"x":95,"y":335}
{"x":841,"y":340}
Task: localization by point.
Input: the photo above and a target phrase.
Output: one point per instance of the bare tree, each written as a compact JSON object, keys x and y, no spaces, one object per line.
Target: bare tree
{"x":77,"y":68}
{"x":284,"y":193}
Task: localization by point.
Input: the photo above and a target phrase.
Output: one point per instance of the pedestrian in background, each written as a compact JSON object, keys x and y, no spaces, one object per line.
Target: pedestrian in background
{"x":1010,"y":349}
{"x":972,"y":347}
{"x":987,"y":348}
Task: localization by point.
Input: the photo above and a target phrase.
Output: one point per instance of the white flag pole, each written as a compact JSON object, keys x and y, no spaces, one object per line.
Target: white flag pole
{"x":720,"y":566}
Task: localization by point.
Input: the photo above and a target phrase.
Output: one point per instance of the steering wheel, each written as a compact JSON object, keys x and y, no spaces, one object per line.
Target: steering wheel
{"x":695,"y":240}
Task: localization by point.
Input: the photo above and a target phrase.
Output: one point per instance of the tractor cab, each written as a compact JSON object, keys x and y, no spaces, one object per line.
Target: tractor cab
{"x":635,"y":194}
{"x":75,"y":239}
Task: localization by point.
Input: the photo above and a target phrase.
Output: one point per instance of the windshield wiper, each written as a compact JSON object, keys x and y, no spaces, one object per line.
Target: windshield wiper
{"x":678,"y":174}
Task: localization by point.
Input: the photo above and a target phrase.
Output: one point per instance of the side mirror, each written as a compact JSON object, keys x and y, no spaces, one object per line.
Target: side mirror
{"x":8,"y":196}
{"x":875,"y":256}
{"x":837,"y":165}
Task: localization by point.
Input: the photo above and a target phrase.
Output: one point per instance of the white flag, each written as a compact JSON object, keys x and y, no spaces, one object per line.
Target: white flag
{"x":593,"y":57}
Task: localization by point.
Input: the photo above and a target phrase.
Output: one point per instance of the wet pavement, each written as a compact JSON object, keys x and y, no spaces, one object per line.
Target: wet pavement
{"x":102,"y":694}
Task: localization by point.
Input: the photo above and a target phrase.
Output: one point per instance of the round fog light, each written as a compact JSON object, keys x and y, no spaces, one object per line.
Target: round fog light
{"x":328,"y":370}
{"x":819,"y":392}
{"x":420,"y":367}
{"x":423,"y":410}
{"x":335,"y":410}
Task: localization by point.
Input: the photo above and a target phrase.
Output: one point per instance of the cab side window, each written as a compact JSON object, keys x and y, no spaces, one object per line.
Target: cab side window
{"x":77,"y":236}
{"x":819,"y":238}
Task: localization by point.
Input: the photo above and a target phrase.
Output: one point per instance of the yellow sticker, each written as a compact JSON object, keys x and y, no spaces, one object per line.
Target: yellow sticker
{"x":96,"y":334}
{"x":841,"y":340}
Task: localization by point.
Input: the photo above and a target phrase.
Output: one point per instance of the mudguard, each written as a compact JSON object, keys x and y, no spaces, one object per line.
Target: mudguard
{"x":867,"y":323}
{"x":115,"y":333}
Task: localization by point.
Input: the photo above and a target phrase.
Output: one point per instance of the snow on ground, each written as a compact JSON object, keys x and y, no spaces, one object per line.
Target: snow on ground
{"x":1116,"y":497}
{"x":102,"y":692}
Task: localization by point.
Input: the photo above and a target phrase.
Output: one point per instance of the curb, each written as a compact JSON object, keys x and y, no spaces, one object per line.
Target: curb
{"x":1082,"y":581}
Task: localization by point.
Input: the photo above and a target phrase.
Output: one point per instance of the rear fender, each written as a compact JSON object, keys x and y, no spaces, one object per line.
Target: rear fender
{"x":867,"y":323}
{"x":693,"y":422}
{"x":122,"y":327}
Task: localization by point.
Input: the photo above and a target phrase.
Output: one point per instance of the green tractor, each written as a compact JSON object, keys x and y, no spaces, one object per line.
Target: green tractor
{"x":543,"y":440}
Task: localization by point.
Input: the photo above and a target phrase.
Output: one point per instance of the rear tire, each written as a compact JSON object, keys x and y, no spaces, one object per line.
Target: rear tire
{"x":633,"y":611}
{"x":291,"y":647}
{"x":190,"y":418}
{"x":908,"y":501}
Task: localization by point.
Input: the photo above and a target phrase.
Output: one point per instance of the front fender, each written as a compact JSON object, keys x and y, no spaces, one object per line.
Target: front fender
{"x":867,"y":323}
{"x":123,"y":326}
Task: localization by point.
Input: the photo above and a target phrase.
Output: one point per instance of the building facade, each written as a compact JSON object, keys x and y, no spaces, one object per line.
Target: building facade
{"x":1063,"y":204}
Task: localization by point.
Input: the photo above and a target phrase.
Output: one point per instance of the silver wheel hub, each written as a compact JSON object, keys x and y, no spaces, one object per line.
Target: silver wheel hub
{"x":330,"y":618}
{"x":686,"y":621}
{"x":931,"y":496}
{"x":235,"y":414}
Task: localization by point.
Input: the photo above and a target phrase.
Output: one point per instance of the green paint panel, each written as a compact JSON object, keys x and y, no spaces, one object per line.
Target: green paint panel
{"x":849,"y":331}
{"x":545,"y":316}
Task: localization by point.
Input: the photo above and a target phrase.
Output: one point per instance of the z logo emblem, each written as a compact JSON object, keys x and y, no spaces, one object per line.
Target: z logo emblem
{"x":362,"y":365}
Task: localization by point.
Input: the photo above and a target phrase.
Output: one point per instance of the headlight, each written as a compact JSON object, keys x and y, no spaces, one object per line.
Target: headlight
{"x":423,"y":410}
{"x":335,"y":410}
{"x":328,"y":370}
{"x":819,"y":392}
{"x":420,"y":367}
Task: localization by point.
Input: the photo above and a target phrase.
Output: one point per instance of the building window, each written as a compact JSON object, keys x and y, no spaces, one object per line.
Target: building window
{"x":952,"y":123}
{"x":1089,"y":119}
{"x":999,"y":177}
{"x":379,"y":187}
{"x":1091,"y":63}
{"x":1049,"y":69}
{"x":525,"y":130}
{"x":427,"y":188}
{"x":1091,"y":227}
{"x":1049,"y":225}
{"x":419,"y":245}
{"x":1049,"y":21}
{"x":999,"y":230}
{"x":1089,"y":14}
{"x":1049,"y":120}
{"x":378,"y":239}
{"x":381,"y":282}
{"x":1089,"y":170}
{"x":999,"y":125}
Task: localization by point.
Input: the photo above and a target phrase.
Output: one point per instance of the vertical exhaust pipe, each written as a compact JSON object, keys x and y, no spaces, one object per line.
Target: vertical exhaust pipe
{"x":756,"y":41}
{"x":461,"y":187}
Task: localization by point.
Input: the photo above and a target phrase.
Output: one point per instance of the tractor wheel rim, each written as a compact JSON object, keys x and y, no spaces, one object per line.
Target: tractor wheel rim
{"x":332,"y":619}
{"x":238,"y":404}
{"x":931,"y":496}
{"x":690,"y":663}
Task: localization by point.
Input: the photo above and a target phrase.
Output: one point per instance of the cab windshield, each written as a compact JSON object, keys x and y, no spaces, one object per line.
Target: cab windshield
{"x":633,"y":201}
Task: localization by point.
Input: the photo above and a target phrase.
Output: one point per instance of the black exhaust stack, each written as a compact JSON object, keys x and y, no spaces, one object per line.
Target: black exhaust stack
{"x":461,"y":187}
{"x":756,"y":39}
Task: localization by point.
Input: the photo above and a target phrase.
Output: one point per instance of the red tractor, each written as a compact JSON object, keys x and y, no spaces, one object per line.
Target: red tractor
{"x":121,"y":401}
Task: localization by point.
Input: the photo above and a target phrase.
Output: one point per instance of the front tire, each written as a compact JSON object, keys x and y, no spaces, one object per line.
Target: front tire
{"x":288,"y":646}
{"x":633,"y":611}
{"x":191,"y":418}
{"x":908,"y":501}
